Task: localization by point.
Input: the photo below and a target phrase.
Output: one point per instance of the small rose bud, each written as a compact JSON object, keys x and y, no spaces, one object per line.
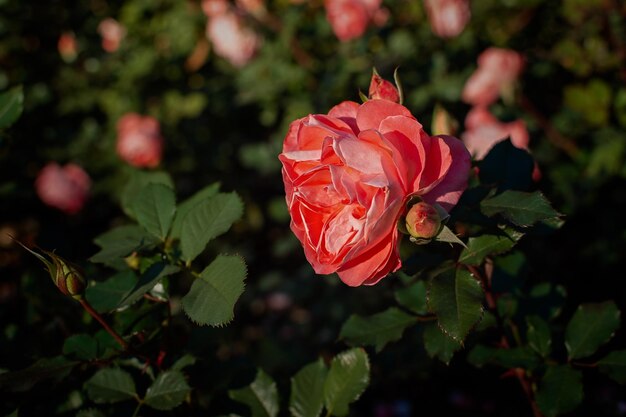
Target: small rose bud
{"x":383,"y":89}
{"x":66,"y":276}
{"x":423,"y":221}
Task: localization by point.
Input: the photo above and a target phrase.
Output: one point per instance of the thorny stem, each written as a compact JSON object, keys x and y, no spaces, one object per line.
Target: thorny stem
{"x":104,"y":324}
{"x":504,"y":342}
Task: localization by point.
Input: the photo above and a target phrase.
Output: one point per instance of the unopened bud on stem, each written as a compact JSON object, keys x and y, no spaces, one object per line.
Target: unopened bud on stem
{"x":423,"y":221}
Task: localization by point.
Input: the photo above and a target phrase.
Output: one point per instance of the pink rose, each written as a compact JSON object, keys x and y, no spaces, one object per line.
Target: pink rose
{"x":447,"y":17}
{"x":139,"y":140}
{"x":231,"y":39}
{"x":383,"y":89}
{"x":65,"y":188}
{"x":484,"y":131}
{"x":497,"y":71}
{"x":67,"y":46}
{"x":112,"y":33}
{"x":348,"y":176}
{"x":349,"y":18}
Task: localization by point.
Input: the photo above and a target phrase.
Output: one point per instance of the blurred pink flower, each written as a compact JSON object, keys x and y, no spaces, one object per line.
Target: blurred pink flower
{"x":497,"y":71}
{"x":214,"y":7}
{"x":112,"y":33}
{"x":447,"y":17}
{"x":65,"y":188}
{"x":67,"y":46}
{"x":139,"y":140}
{"x":483,"y":131}
{"x":253,"y":7}
{"x":349,"y":18}
{"x":231,"y":39}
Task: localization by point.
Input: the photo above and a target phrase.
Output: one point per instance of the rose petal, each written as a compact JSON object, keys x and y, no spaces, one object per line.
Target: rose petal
{"x":371,"y":113}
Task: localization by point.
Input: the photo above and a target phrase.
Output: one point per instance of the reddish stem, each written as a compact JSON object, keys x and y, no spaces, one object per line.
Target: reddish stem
{"x":104,"y":324}
{"x":504,"y":342}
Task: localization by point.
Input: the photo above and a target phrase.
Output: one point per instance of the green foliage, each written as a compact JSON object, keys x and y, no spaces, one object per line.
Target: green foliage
{"x":413,"y":297}
{"x":120,"y":242}
{"x":538,"y":335}
{"x":206,"y":221}
{"x":517,"y":357}
{"x":482,"y":246}
{"x":261,"y":396}
{"x":376,"y":330}
{"x":507,"y":167}
{"x":614,"y":365}
{"x":154,"y":208}
{"x":307,"y":390}
{"x":560,"y":390}
{"x":82,"y":346}
{"x":110,"y":385}
{"x":520,"y":208}
{"x":213,"y":294}
{"x":438,"y":344}
{"x":167,"y":391}
{"x":347,"y":378}
{"x":11,"y":106}
{"x":55,"y":368}
{"x":591,"y":326}
{"x":456,"y":298}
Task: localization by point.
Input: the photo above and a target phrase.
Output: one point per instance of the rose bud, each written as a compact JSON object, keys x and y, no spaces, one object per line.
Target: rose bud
{"x":67,"y":277}
{"x":423,"y":221}
{"x":383,"y":89}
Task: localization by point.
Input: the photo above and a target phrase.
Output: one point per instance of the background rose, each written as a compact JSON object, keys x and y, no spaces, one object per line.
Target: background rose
{"x":139,"y":140}
{"x":497,"y":70}
{"x":112,"y":33}
{"x":231,"y":39}
{"x":448,"y":17}
{"x":349,"y":18}
{"x":348,"y":175}
{"x":65,"y":188}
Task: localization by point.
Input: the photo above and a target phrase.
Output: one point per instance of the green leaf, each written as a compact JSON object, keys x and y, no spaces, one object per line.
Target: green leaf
{"x":522,"y":209}
{"x":110,"y":385}
{"x":82,"y":346}
{"x":456,"y":298}
{"x":438,"y":344}
{"x":516,"y":357}
{"x":120,"y":242}
{"x":208,"y":220}
{"x":376,"y":330}
{"x":538,"y":335}
{"x":307,"y":390}
{"x":560,"y":390}
{"x":448,"y":236}
{"x":183,"y":208}
{"x":185,"y":361}
{"x":348,"y":377}
{"x":591,"y":326}
{"x":167,"y":391}
{"x":614,"y":365}
{"x":154,"y":208}
{"x":413,"y":297}
{"x":55,"y":368}
{"x":155,"y":273}
{"x":137,"y":182}
{"x":11,"y":106}
{"x":213,"y":295}
{"x":107,"y":296}
{"x":261,"y":396}
{"x":482,"y":246}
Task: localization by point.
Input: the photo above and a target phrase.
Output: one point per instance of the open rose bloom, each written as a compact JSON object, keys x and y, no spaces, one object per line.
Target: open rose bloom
{"x":348,"y":176}
{"x":139,"y":140}
{"x":65,"y":188}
